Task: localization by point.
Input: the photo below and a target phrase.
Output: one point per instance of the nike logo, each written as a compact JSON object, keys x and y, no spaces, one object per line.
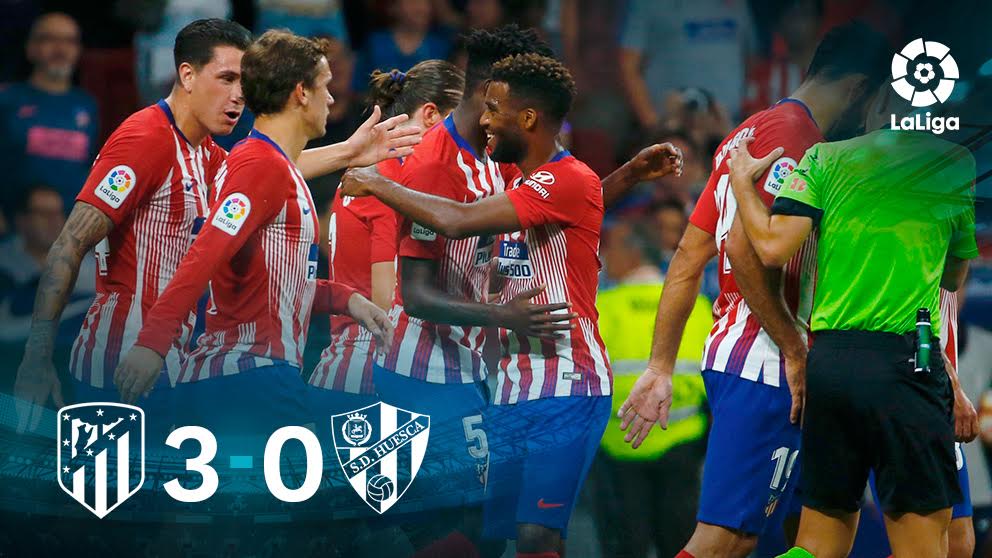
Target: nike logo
{"x":306,"y":211}
{"x":545,"y":506}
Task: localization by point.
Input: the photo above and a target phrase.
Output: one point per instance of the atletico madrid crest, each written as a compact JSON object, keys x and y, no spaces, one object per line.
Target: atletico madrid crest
{"x":101,"y":454}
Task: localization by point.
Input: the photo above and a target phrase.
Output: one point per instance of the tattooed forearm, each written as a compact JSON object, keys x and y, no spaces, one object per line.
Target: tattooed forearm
{"x":85,"y":227}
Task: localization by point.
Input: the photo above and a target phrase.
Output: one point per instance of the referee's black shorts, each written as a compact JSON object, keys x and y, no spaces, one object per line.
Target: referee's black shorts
{"x":867,"y":409}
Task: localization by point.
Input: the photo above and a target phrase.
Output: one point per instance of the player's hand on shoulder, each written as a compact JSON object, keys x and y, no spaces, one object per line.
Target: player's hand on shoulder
{"x":137,"y":373}
{"x":372,"y":318}
{"x":744,"y":166}
{"x":547,"y":321}
{"x":656,"y":161}
{"x":376,"y":141}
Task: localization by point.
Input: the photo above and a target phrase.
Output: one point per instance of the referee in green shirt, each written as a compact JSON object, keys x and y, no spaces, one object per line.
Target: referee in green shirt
{"x":893,"y":214}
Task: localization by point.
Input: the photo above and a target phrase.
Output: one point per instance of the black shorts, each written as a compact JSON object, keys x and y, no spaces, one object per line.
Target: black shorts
{"x":867,"y":409}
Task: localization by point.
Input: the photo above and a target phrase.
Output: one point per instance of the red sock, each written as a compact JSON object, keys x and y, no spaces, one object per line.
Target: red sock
{"x":684,"y":554}
{"x":538,"y":555}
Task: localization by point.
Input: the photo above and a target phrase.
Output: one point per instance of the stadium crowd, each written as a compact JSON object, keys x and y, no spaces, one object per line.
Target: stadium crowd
{"x":88,"y":66}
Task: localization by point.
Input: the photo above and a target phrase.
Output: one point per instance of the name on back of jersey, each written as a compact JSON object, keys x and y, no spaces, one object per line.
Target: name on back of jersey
{"x":116,"y":186}
{"x":232,"y":213}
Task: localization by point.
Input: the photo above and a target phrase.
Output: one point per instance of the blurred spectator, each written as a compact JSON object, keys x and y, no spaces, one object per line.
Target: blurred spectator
{"x":106,"y":67}
{"x":670,"y":220}
{"x":156,"y":70}
{"x":697,"y":112}
{"x":38,"y":219}
{"x":48,"y":128}
{"x":627,"y":256}
{"x":483,"y":14}
{"x":647,"y":497}
{"x":776,"y":76}
{"x":310,"y":18}
{"x":409,"y":39}
{"x":673,"y":44}
{"x":695,"y":170}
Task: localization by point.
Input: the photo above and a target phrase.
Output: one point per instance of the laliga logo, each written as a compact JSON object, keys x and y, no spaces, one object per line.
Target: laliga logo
{"x":924,"y":73}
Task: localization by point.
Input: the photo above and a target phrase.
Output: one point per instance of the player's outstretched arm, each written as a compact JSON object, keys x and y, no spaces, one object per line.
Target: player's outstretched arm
{"x":651,"y":397}
{"x":776,"y":238}
{"x":371,"y":143}
{"x":422,"y":299}
{"x":762,"y":289}
{"x":654,"y":161}
{"x":36,"y":377}
{"x":491,"y":215}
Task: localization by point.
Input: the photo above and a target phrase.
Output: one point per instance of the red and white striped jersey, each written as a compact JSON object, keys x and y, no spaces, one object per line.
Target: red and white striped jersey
{"x":560,"y":207}
{"x":444,"y":164}
{"x":949,"y":325}
{"x":362,"y":232}
{"x":153,"y":184}
{"x":258,"y":252}
{"x":737,"y":344}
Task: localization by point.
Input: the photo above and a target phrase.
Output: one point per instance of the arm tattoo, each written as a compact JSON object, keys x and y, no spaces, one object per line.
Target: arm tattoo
{"x":85,"y":227}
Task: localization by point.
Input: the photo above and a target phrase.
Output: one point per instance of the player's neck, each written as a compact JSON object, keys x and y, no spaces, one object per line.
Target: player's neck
{"x":186,"y":121}
{"x":466,"y":117}
{"x":823,"y":102}
{"x":286,"y":130}
{"x":49,"y":84}
{"x":539,"y":152}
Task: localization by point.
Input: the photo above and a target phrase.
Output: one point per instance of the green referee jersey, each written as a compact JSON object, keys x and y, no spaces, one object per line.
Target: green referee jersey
{"x":888,"y":208}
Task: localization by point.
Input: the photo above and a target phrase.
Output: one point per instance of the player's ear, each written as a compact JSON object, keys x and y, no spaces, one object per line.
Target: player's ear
{"x":430,"y":115}
{"x":186,"y":76}
{"x":301,"y":94}
{"x":527,"y":119}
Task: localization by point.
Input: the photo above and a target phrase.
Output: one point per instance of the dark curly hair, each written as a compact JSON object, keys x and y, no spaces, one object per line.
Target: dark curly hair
{"x":485,"y":48}
{"x":538,"y":79}
{"x":273,"y":65}
{"x":430,"y":81}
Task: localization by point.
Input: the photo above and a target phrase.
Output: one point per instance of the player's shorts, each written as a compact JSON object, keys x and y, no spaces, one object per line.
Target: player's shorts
{"x":541,"y":454}
{"x":456,"y":466}
{"x":750,"y":454}
{"x":158,"y":407}
{"x":242,"y":410}
{"x":866,"y":408}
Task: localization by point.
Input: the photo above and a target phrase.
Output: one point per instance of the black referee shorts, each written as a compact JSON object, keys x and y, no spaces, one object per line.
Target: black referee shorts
{"x":867,"y":409}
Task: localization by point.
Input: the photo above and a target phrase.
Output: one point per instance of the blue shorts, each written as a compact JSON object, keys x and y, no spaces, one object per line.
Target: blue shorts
{"x":750,"y":454}
{"x":541,"y":454}
{"x":962,"y":508}
{"x":243,"y":410}
{"x":456,"y":467}
{"x":158,"y":407}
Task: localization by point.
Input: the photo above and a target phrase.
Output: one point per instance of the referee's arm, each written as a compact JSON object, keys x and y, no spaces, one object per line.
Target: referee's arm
{"x":775,"y":238}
